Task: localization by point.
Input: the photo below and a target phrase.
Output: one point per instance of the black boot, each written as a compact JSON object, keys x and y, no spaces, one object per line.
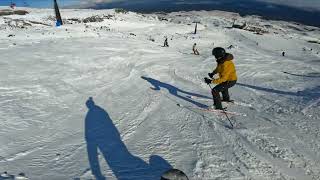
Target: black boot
{"x":228,"y":101}
{"x":218,"y":107}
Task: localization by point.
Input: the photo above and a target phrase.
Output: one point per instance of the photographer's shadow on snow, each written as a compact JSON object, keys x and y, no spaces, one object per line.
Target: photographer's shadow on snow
{"x":101,"y":134}
{"x":175,"y":91}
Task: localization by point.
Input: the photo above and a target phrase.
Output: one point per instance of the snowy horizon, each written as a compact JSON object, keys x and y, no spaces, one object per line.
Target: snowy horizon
{"x":300,"y":11}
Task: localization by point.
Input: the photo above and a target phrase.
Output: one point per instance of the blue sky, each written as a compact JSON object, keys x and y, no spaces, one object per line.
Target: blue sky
{"x":304,"y":4}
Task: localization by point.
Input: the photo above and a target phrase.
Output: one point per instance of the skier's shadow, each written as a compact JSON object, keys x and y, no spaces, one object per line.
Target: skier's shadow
{"x":175,"y":91}
{"x":308,"y":93}
{"x":269,"y":90}
{"x":101,"y":134}
{"x":312,"y":75}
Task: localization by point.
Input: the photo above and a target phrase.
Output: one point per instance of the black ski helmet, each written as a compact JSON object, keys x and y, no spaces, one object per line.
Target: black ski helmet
{"x":219,"y":52}
{"x":90,"y":103}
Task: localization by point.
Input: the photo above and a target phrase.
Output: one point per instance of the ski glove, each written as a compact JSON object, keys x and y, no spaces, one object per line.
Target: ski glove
{"x":207,"y":80}
{"x":211,"y":74}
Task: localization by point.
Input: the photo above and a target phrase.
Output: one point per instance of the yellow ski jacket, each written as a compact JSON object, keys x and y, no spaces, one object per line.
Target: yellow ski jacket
{"x":226,"y":71}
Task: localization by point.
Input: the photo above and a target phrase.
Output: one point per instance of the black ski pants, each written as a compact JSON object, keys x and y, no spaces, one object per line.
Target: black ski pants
{"x":223,"y":88}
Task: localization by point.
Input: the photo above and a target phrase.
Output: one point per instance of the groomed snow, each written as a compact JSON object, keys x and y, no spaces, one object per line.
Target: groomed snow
{"x":47,"y":74}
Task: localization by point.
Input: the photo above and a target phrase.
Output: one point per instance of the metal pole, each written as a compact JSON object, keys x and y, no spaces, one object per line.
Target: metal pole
{"x":56,"y":9}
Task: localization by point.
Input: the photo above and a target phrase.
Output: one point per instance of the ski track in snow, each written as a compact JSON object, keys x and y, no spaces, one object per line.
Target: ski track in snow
{"x":48,"y":73}
{"x":313,"y":103}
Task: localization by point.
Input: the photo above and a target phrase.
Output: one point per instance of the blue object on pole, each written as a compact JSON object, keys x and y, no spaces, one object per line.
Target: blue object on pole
{"x":58,"y":23}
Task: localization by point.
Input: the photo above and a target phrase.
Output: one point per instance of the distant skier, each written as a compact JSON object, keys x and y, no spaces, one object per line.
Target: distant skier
{"x":165,"y":44}
{"x":195,"y":50}
{"x":227,"y":76}
{"x":283,"y":53}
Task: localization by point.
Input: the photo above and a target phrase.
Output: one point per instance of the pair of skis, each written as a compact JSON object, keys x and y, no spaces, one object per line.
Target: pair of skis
{"x":217,"y":111}
{"x":224,"y":111}
{"x":221,"y":111}
{"x":229,"y":102}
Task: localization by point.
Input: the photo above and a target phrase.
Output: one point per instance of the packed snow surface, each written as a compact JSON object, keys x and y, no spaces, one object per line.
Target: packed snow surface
{"x":48,"y":73}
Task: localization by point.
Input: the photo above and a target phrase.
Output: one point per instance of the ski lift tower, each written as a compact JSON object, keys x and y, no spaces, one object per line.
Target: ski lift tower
{"x":196,"y":27}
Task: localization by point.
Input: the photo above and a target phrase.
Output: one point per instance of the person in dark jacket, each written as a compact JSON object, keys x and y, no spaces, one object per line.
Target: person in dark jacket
{"x":165,"y":44}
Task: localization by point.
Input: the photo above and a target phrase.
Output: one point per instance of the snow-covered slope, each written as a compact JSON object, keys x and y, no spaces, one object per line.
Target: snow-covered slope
{"x":47,"y":75}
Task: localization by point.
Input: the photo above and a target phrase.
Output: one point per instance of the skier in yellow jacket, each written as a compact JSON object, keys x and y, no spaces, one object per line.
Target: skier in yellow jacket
{"x":227,"y":76}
